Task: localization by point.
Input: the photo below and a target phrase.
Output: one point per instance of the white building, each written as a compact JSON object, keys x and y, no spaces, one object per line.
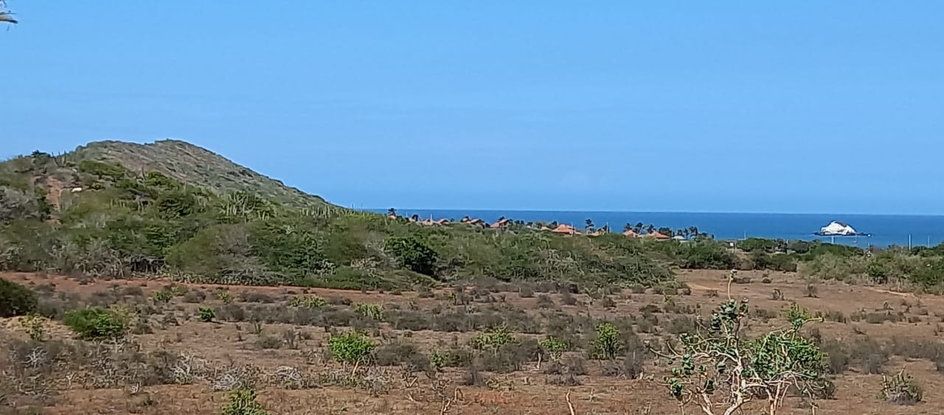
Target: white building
{"x":836,"y":228}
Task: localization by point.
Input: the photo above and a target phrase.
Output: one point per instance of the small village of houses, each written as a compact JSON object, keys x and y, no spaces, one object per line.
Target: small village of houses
{"x":562,"y":229}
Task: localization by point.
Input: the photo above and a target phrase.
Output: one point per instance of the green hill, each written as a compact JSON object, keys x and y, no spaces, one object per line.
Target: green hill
{"x":195,"y":166}
{"x":117,"y":209}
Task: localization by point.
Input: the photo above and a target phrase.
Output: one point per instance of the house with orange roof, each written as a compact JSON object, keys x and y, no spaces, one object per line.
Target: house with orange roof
{"x":500,"y":223}
{"x":630,"y":234}
{"x":658,"y":236}
{"x":474,"y":221}
{"x":565,"y":230}
{"x":598,"y":232}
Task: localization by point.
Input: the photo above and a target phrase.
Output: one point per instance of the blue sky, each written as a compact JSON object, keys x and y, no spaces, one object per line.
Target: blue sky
{"x":677,"y":106}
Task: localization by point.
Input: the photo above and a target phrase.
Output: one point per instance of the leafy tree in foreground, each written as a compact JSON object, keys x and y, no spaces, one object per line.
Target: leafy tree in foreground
{"x":720,"y":369}
{"x":412,"y":253}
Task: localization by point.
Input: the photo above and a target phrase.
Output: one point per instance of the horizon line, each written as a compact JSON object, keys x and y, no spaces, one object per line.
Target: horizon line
{"x":648,"y":211}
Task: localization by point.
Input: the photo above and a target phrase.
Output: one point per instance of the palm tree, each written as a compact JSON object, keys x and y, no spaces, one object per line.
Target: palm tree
{"x":638,"y":227}
{"x":589,"y":223}
{"x":627,"y":227}
{"x":392,"y":212}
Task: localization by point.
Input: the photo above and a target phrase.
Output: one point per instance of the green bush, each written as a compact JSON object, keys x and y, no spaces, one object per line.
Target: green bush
{"x":206,"y":314}
{"x":350,"y":347}
{"x":97,"y":323}
{"x":554,"y":347}
{"x":15,"y":299}
{"x":242,"y":401}
{"x":291,"y":247}
{"x":413,"y":254}
{"x":311,"y":302}
{"x":705,"y":255}
{"x":492,"y":339}
{"x":606,"y":344}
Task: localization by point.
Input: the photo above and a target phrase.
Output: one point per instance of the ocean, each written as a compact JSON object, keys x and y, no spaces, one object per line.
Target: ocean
{"x":884,"y":230}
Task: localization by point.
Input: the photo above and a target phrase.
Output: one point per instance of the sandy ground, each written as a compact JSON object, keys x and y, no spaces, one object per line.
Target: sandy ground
{"x":522,"y":392}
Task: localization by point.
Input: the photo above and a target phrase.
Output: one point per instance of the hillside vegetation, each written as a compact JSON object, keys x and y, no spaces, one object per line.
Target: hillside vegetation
{"x":117,"y":209}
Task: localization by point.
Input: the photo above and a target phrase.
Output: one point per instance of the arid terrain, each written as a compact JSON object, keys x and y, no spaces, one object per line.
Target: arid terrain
{"x":173,"y":362}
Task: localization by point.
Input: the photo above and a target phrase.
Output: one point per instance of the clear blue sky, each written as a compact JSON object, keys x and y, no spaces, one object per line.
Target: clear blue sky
{"x":679,"y":106}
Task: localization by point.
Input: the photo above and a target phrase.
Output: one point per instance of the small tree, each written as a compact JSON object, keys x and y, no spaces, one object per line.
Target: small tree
{"x":412,"y":253}
{"x":606,"y":344}
{"x":553,"y":347}
{"x":15,"y":299}
{"x":720,"y":369}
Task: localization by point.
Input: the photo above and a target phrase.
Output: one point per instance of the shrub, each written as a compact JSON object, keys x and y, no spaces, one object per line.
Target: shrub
{"x":510,"y":356}
{"x":266,"y":342}
{"x":492,"y":339}
{"x":568,"y":299}
{"x":224,"y":296}
{"x":15,"y":299}
{"x":311,"y":302}
{"x":544,"y":301}
{"x":901,"y":389}
{"x":351,"y":347}
{"x":836,"y":355}
{"x":413,"y":254}
{"x":568,"y":365}
{"x":97,"y":323}
{"x":705,"y":255}
{"x":206,"y":314}
{"x":554,"y":347}
{"x":606,"y":344}
{"x":723,"y":361}
{"x":650,"y":308}
{"x":33,"y":325}
{"x":242,"y":401}
{"x":681,"y":324}
{"x":400,"y":352}
{"x":162,"y":296}
{"x":869,"y":354}
{"x":525,"y":291}
{"x":811,"y":291}
{"x":630,"y":367}
{"x":194,"y":296}
{"x":450,"y":358}
{"x":371,"y":311}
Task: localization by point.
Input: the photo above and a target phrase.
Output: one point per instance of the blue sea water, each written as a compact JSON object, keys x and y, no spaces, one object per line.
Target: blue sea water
{"x":884,"y":230}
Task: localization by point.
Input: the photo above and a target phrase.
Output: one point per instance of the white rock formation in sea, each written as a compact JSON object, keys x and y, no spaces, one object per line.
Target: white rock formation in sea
{"x":836,"y":228}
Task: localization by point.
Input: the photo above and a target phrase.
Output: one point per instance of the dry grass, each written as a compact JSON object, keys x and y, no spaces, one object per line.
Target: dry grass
{"x":179,"y":364}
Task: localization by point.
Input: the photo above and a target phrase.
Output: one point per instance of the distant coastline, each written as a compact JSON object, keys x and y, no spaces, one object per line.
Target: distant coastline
{"x":882,"y":230}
